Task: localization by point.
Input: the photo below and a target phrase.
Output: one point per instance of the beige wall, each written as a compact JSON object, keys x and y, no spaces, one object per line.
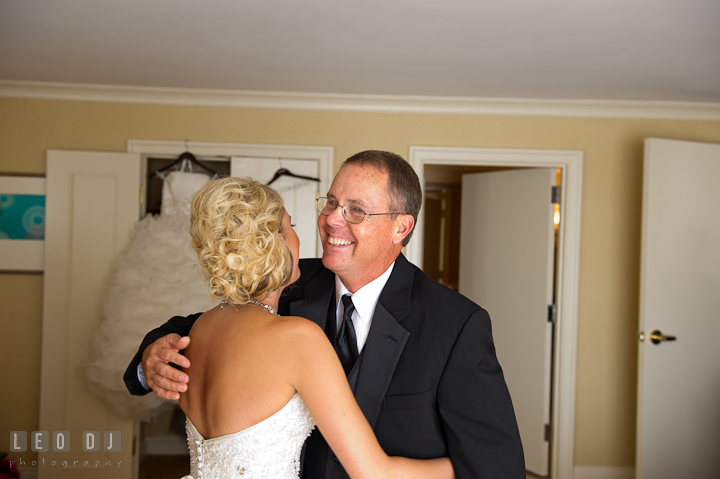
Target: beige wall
{"x":610,"y":244}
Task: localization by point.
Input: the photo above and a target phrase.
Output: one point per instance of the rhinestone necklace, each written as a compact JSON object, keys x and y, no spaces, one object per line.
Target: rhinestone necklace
{"x":272,"y":310}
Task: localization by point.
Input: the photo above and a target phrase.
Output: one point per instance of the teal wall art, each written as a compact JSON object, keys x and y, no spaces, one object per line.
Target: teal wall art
{"x":22,"y":223}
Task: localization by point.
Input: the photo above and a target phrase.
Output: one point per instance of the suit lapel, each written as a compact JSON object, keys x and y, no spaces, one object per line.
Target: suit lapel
{"x":386,"y":339}
{"x":385,"y":342}
{"x":381,"y":353}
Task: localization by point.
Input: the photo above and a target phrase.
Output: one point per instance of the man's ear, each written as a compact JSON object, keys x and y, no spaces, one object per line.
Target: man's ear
{"x":403,"y":226}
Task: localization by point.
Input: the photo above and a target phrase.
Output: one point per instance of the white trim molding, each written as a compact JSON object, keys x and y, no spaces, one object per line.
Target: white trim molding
{"x":568,"y":268}
{"x":599,"y":472}
{"x":361,"y":103}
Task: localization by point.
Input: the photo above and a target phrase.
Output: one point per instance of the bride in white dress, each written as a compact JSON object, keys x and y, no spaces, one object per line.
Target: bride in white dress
{"x":261,"y":382}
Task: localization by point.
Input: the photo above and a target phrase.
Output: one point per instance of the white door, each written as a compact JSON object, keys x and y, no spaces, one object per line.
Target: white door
{"x":91,"y":208}
{"x":299,"y":194}
{"x":506,"y":266}
{"x":678,"y":428}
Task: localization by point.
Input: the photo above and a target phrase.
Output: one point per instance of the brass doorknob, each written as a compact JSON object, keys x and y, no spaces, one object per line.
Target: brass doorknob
{"x":658,"y":337}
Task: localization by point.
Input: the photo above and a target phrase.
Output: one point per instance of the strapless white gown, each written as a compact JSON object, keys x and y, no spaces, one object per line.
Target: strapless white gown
{"x":268,"y":450}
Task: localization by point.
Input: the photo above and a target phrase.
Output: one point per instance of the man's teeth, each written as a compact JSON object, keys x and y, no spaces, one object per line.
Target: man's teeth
{"x":338,"y":241}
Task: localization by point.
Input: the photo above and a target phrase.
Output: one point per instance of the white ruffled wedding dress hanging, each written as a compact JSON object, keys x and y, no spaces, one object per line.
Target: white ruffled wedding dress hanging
{"x":156,"y":278}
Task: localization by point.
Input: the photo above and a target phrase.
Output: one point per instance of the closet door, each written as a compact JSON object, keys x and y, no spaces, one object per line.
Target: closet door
{"x":678,"y":412}
{"x":92,"y":206}
{"x":299,"y":194}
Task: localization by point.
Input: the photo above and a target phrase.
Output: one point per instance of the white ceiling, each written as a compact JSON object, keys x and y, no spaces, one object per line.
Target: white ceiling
{"x":655,"y":50}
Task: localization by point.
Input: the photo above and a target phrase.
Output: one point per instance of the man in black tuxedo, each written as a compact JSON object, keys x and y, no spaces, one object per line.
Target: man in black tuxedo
{"x":420,"y":357}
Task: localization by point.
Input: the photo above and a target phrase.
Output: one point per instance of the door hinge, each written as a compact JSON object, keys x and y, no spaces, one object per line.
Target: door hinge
{"x":555,"y":194}
{"x":552,"y":313}
{"x":142,"y":194}
{"x":548,"y":431}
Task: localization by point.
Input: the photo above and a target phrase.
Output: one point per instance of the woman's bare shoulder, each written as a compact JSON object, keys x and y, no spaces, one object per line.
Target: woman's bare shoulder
{"x":203,"y":320}
{"x":300,"y":325}
{"x":300,"y":333}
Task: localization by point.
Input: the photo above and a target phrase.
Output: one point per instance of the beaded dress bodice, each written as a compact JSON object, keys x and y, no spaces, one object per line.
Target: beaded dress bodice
{"x":270,"y":449}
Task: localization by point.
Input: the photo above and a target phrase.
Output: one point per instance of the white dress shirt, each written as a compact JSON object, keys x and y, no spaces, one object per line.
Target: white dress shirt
{"x":365,"y":300}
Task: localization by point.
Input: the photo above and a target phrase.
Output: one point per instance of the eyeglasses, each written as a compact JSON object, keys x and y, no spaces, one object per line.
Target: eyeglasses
{"x":352,"y":214}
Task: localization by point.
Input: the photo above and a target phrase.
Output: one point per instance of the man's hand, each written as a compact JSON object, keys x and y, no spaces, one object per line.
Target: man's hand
{"x":162,"y":378}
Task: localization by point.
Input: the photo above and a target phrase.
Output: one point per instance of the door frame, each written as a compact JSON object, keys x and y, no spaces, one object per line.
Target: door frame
{"x":568,"y":268}
{"x":324,"y":155}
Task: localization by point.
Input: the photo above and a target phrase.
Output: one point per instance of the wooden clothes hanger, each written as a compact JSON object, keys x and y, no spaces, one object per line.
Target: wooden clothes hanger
{"x":183,"y":158}
{"x":285,"y":172}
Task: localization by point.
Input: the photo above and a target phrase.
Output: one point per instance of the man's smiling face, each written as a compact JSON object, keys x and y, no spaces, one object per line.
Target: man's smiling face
{"x":359,"y":253}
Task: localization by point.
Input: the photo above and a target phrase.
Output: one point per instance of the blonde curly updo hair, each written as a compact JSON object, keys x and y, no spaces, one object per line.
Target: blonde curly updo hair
{"x":235,"y":226}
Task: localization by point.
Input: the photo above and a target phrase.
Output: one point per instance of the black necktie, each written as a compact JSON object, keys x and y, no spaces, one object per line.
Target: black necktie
{"x":346,"y":340}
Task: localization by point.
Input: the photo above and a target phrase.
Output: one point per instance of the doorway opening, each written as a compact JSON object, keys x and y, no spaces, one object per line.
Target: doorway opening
{"x":442,"y":204}
{"x":497,"y":243}
{"x":561,"y":428}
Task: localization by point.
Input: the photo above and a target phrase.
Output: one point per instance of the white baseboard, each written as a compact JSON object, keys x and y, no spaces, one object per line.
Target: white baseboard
{"x":593,"y":472}
{"x":163,"y":445}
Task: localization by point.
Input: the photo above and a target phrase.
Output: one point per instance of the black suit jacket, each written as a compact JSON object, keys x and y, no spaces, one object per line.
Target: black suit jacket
{"x":428,"y":379}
